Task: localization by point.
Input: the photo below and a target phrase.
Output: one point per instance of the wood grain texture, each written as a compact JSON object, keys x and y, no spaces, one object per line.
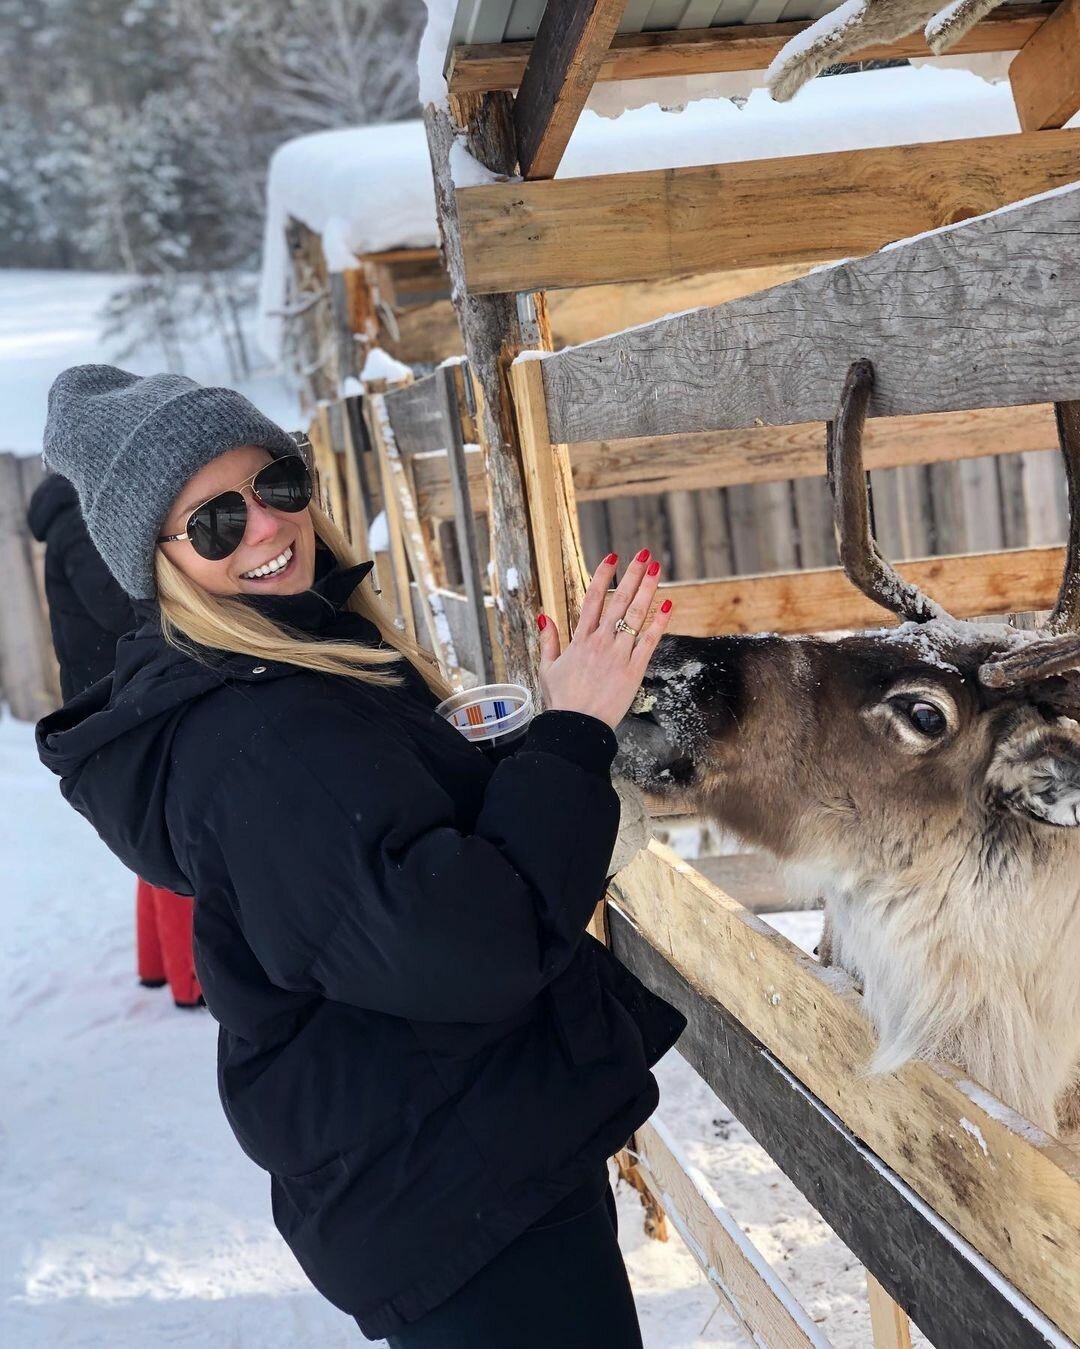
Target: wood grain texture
{"x":955,"y":1298}
{"x":752,"y":1292}
{"x":888,"y":1322}
{"x":494,"y":329}
{"x":825,"y":601}
{"x":468,"y":543}
{"x":28,"y":674}
{"x":983,"y":315}
{"x":604,"y":469}
{"x":1014,"y":1202}
{"x":671,"y":222}
{"x":570,"y":44}
{"x":708,"y":51}
{"x":1045,"y":73}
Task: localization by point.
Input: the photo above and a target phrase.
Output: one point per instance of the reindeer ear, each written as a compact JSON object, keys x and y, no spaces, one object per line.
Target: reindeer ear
{"x":1036,"y":772}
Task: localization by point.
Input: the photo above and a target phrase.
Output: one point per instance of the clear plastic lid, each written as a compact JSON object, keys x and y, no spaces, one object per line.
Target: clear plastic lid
{"x":489,"y":711}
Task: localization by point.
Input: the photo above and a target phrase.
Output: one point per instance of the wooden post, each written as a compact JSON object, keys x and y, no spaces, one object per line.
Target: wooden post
{"x":889,"y":1323}
{"x":465,"y":520}
{"x":495,"y":329}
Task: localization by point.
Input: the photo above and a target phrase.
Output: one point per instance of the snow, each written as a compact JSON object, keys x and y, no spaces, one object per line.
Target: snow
{"x":466,"y":170}
{"x":832,"y":27}
{"x":379,"y":534}
{"x":434,"y":44}
{"x":976,"y":1133}
{"x":362,"y":189}
{"x":379,"y":364}
{"x":50,"y":320}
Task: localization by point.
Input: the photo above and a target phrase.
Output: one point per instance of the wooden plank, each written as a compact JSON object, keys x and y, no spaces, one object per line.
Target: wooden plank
{"x":570,"y":43}
{"x":550,"y":496}
{"x":956,"y":1298}
{"x":465,"y":524}
{"x":415,"y":412}
{"x":982,"y":315}
{"x":27,"y":675}
{"x":1045,"y":73}
{"x":495,"y":330}
{"x":380,"y":432}
{"x":972,"y":584}
{"x":751,"y":1291}
{"x":604,"y":469}
{"x":670,"y":222}
{"x":456,"y":609}
{"x":709,"y":51}
{"x":588,"y":312}
{"x":888,"y":1322}
{"x":754,"y":879}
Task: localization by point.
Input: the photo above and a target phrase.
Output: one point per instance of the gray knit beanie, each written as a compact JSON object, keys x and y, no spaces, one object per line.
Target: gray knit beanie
{"x":130,"y":443}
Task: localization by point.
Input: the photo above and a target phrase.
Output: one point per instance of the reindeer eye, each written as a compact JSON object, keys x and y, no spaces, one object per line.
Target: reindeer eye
{"x":927,"y":719}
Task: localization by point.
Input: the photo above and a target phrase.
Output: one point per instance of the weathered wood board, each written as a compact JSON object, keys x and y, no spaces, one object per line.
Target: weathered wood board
{"x":570,"y":43}
{"x":970,"y":585}
{"x":708,"y":51}
{"x":671,"y":222}
{"x":951,"y":1294}
{"x":1015,"y":1195}
{"x":982,"y":315}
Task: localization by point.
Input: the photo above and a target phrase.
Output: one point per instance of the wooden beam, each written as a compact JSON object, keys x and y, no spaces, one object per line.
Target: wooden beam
{"x":494,"y":331}
{"x":982,"y":315}
{"x":607,"y":469}
{"x":672,"y":222}
{"x":971,"y":584}
{"x":784,"y":1044}
{"x":570,"y":44}
{"x":751,"y":1291}
{"x":888,"y":1323}
{"x":1045,"y":73}
{"x":711,"y":51}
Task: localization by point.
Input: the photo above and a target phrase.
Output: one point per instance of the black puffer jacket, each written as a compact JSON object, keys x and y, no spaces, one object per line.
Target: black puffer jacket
{"x":88,"y":610}
{"x":417,"y":1041}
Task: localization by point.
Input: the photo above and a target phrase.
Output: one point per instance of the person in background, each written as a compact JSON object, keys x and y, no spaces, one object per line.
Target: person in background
{"x":88,"y":614}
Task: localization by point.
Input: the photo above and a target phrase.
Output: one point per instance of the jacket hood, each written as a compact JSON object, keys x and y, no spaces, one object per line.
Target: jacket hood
{"x":52,"y":496}
{"x":111,"y":746}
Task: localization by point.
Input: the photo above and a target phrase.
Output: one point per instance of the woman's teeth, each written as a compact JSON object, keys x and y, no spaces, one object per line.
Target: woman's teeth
{"x":268,"y":568}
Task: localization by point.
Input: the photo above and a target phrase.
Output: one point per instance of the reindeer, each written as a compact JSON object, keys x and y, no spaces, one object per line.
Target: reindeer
{"x":925,"y":779}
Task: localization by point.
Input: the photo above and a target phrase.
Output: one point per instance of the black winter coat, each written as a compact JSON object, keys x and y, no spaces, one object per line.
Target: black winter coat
{"x":88,"y":610}
{"x":417,"y":1041}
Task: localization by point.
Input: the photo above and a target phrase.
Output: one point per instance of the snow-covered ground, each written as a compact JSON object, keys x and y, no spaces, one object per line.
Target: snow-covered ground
{"x":49,"y":320}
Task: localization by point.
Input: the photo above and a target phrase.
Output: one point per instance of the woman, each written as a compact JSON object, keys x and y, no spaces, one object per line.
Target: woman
{"x":417,"y":1041}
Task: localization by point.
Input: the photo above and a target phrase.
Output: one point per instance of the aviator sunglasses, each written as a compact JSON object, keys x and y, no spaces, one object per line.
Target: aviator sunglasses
{"x":216,"y":528}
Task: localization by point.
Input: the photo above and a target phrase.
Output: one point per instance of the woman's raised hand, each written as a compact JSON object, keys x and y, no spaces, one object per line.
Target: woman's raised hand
{"x":601,"y":670}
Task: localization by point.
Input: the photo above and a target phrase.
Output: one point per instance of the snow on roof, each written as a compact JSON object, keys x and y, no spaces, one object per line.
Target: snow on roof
{"x":363,"y":189}
{"x":370,"y":188}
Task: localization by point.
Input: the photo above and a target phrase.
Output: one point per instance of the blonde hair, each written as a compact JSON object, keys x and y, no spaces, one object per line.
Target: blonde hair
{"x":191,"y":617}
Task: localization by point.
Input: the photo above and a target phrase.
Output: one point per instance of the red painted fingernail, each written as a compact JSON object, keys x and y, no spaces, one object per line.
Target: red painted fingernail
{"x":643,"y":556}
{"x":541,"y":621}
{"x":611,"y":559}
{"x":665,"y":608}
{"x":652,"y":568}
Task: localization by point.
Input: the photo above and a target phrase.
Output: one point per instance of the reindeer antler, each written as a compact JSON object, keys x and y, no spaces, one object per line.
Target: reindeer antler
{"x":1066,"y":615}
{"x":859,"y":555}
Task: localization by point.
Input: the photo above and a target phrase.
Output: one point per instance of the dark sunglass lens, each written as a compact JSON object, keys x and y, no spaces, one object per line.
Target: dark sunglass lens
{"x":284,"y":485}
{"x":217,"y":528}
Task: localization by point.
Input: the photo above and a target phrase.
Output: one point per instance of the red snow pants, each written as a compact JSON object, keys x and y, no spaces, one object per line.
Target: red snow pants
{"x":163,"y":932}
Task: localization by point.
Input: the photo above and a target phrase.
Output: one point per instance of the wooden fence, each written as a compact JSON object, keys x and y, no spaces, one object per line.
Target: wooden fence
{"x":29,"y":681}
{"x":950,"y":1200}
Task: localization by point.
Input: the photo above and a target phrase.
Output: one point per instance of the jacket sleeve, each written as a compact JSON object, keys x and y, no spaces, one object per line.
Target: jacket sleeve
{"x":358,"y":884}
{"x":96,"y":589}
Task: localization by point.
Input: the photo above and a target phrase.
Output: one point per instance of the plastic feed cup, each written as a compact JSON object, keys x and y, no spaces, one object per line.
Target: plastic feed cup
{"x":492,"y":714}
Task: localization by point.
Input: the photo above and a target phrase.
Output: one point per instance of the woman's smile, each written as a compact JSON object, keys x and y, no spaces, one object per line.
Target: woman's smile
{"x":273,"y":569}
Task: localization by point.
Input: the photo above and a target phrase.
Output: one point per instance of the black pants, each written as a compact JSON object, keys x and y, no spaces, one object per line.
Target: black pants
{"x":558,"y":1286}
